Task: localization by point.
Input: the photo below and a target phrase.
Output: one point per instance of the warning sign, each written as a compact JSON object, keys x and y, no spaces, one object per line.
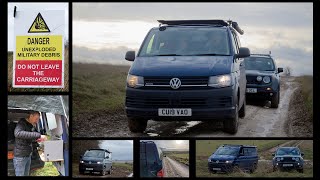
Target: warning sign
{"x":38,"y":58}
{"x":39,"y":25}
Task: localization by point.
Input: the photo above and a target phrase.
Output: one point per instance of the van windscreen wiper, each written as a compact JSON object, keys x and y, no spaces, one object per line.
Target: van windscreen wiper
{"x":167,"y":55}
{"x":210,"y":54}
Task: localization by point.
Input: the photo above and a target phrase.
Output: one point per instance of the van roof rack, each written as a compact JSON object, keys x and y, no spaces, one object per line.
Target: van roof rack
{"x":218,"y":22}
{"x":238,"y":145}
{"x":100,"y":150}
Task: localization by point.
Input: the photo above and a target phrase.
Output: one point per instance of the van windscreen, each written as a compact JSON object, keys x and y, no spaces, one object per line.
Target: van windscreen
{"x":186,"y":41}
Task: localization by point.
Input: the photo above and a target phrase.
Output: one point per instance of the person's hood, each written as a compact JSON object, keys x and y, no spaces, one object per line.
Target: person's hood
{"x":181,"y":66}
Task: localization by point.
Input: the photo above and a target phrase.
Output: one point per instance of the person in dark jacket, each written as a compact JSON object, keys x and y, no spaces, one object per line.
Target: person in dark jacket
{"x":25,"y":133}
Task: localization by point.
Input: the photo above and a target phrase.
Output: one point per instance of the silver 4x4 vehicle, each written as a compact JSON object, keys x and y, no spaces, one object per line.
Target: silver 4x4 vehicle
{"x":188,"y":70}
{"x":263,"y":79}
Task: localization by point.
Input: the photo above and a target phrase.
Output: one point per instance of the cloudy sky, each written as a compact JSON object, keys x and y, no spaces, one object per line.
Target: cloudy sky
{"x":103,"y":32}
{"x":32,"y":7}
{"x":172,"y":144}
{"x":121,"y":149}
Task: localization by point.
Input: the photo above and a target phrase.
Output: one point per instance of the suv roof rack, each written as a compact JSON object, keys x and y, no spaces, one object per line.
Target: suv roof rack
{"x":203,"y":22}
{"x":269,"y":55}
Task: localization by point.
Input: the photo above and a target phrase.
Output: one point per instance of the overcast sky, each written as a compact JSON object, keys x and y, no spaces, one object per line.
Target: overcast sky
{"x":103,"y":32}
{"x":32,"y":7}
{"x":121,"y":149}
{"x":172,"y":144}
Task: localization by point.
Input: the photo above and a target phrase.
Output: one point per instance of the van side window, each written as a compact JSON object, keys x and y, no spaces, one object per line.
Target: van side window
{"x":246,"y":151}
{"x":150,"y":154}
{"x":234,"y":45}
{"x":236,"y":42}
{"x":150,"y":45}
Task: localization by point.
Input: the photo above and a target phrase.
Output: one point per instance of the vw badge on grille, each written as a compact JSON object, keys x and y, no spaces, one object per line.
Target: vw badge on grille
{"x":175,"y":83}
{"x":89,"y":162}
{"x":217,"y":161}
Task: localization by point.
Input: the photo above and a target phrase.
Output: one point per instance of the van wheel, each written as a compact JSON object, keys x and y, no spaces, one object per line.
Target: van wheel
{"x":231,"y":125}
{"x":109,"y":172}
{"x":254,"y":167}
{"x":242,"y":112}
{"x":275,"y":100}
{"x":274,"y":169}
{"x":137,"y":125}
{"x":300,"y":170}
{"x":103,"y":172}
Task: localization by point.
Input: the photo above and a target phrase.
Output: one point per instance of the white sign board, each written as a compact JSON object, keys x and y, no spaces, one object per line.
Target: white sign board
{"x":38,"y":59}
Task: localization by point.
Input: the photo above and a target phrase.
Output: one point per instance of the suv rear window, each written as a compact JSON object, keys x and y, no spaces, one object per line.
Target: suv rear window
{"x":259,"y":63}
{"x":186,"y":41}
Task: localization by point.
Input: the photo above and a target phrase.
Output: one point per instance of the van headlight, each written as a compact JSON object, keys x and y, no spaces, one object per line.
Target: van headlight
{"x":209,"y":160}
{"x":220,"y":81}
{"x":230,"y":161}
{"x":81,"y":162}
{"x":266,"y":79}
{"x":135,"y":81}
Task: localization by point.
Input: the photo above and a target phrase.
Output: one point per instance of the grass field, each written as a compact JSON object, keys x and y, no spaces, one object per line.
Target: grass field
{"x":204,"y":148}
{"x":98,"y":87}
{"x":126,"y":166}
{"x":48,"y":170}
{"x":181,"y":157}
{"x":66,"y":77}
{"x":307,"y":92}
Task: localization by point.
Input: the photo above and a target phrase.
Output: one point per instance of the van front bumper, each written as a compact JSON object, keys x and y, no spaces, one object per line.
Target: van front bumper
{"x":90,"y":167}
{"x":206,"y":104}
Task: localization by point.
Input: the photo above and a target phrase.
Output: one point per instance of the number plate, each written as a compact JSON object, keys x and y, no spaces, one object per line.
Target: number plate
{"x":174,"y":112}
{"x":216,"y":169}
{"x":89,"y":169}
{"x":251,"y":90}
{"x":286,"y":165}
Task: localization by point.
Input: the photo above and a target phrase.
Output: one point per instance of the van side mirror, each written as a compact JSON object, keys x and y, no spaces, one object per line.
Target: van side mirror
{"x":280,"y":70}
{"x":302,"y":154}
{"x":107,"y":157}
{"x":243,"y":52}
{"x":81,"y":156}
{"x":130,"y":55}
{"x":273,"y":154}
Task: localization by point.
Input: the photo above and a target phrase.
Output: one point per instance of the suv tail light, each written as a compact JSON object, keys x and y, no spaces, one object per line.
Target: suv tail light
{"x":160,"y":173}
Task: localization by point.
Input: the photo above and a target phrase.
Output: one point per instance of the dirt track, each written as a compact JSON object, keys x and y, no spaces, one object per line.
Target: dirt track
{"x":260,"y":121}
{"x":173,"y":168}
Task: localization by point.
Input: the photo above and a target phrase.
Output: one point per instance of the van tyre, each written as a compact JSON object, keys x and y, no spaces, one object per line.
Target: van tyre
{"x":103,"y":172}
{"x":242,"y":112}
{"x":254,"y":167}
{"x":109,"y":172}
{"x":300,"y":170}
{"x":275,"y":100}
{"x":230,"y":125}
{"x":137,"y":125}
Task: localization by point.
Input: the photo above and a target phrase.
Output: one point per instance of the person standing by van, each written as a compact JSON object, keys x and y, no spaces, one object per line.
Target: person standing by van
{"x":25,"y":133}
